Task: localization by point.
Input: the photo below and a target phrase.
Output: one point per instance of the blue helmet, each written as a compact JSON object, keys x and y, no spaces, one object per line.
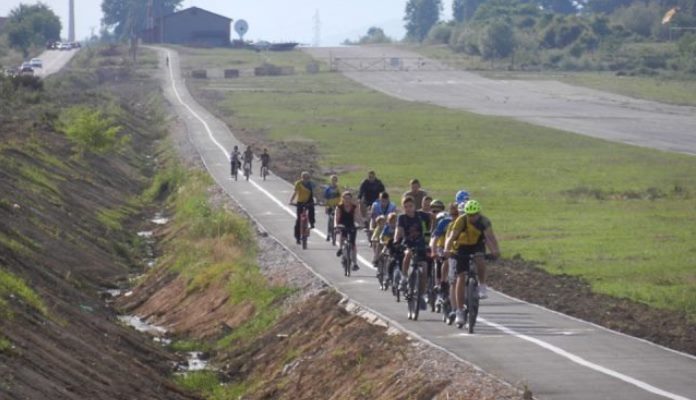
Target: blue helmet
{"x":461,"y":197}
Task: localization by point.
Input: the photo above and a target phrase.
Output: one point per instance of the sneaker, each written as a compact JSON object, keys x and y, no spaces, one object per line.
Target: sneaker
{"x":483,"y":292}
{"x":298,"y":241}
{"x":403,"y":287}
{"x":355,"y":267}
{"x":339,"y":253}
{"x":460,"y":317}
{"x":328,"y":238}
{"x":311,"y":226}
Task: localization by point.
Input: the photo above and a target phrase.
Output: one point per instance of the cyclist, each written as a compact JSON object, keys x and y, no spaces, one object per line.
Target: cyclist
{"x":380,"y":208}
{"x":332,"y":196}
{"x":411,"y":230}
{"x":416,"y":193}
{"x":248,"y":158}
{"x":461,"y":197}
{"x":387,"y":239}
{"x":472,"y":232}
{"x":265,"y":161}
{"x":370,"y":189}
{"x":234,"y":160}
{"x":304,"y":194}
{"x":437,"y":245}
{"x":346,"y":216}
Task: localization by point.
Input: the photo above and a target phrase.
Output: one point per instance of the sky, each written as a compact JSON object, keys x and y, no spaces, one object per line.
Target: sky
{"x":271,"y":20}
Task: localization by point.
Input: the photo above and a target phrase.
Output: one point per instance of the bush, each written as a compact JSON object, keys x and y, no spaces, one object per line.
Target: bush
{"x":497,"y":40}
{"x":89,"y":129}
{"x":640,"y":19}
{"x":466,"y":40}
{"x":440,"y":34}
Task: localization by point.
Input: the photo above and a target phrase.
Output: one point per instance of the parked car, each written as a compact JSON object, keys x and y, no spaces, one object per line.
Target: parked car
{"x":36,"y":63}
{"x":26,"y":70}
{"x":64,"y":46}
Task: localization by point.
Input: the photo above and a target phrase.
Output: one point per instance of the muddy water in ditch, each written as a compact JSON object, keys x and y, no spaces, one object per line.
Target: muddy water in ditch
{"x":195,"y":360}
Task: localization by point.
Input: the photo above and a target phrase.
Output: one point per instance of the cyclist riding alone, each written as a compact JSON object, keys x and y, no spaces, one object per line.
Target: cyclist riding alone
{"x":416,"y":193}
{"x":369,"y":191}
{"x":304,"y":194}
{"x":248,"y":158}
{"x":234,"y":160}
{"x":332,"y":196}
{"x":265,"y":161}
{"x":346,"y":216}
{"x":411,"y":228}
{"x":473,"y":233}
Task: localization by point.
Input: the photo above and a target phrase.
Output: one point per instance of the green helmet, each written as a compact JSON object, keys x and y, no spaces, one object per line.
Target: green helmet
{"x":437,"y":204}
{"x":472,"y":207}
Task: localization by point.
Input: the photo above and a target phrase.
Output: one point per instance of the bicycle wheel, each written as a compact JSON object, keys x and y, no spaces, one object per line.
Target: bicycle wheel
{"x":472,"y":303}
{"x":417,"y":294}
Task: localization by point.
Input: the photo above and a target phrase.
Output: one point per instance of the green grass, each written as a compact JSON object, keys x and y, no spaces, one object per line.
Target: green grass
{"x":5,"y":345}
{"x":12,"y":285}
{"x":111,"y":218}
{"x":538,"y":185}
{"x":188,"y":345}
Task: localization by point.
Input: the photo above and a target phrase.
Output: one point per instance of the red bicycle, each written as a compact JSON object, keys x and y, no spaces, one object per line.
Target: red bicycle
{"x":304,"y":224}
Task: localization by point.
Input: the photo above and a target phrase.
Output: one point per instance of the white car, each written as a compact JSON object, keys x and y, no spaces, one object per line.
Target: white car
{"x":36,"y":63}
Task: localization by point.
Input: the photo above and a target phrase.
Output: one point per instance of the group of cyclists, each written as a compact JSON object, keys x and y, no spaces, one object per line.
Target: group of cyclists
{"x":245,"y":160}
{"x":450,"y":236}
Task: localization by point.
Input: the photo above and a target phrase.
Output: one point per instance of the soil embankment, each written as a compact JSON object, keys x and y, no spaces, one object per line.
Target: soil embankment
{"x":64,"y":240}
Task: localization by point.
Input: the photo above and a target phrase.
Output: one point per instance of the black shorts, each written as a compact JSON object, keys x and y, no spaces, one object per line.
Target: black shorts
{"x":464,"y":257}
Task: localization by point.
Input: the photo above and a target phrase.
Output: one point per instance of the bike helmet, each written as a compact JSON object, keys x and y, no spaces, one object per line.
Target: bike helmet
{"x":437,"y":204}
{"x":472,"y":207}
{"x":461,"y":197}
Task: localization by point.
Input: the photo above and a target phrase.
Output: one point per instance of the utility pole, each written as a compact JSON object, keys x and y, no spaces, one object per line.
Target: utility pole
{"x":71,"y":22}
{"x":317,"y":30}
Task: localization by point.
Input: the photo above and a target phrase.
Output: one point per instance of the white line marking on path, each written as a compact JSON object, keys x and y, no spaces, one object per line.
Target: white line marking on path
{"x":557,"y":350}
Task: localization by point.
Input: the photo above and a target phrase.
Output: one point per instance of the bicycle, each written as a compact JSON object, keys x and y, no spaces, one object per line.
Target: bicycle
{"x":395,"y":260}
{"x":414,"y":290}
{"x":304,"y":224}
{"x":234,"y":166}
{"x":346,"y":249}
{"x":247,"y":170}
{"x":331,"y":232}
{"x":264,"y":171}
{"x":382,"y":265}
{"x":431,"y":289}
{"x":471,"y":299}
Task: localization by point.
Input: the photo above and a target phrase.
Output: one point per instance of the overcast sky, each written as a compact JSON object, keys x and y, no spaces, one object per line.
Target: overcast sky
{"x":272,"y":20}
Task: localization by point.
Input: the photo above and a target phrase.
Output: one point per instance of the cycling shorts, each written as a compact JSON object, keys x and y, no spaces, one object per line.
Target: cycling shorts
{"x":464,"y":257}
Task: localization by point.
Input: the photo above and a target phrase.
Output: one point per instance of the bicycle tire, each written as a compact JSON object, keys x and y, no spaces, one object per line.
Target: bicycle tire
{"x":417,"y":293}
{"x":472,"y":303}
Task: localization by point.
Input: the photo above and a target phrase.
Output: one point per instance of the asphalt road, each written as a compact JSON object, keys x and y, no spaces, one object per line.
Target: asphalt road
{"x":547,"y":103}
{"x":54,"y":61}
{"x":556,"y":356}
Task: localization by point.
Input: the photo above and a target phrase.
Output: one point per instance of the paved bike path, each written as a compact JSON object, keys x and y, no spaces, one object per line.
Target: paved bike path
{"x":542,"y":102}
{"x":558,"y":357}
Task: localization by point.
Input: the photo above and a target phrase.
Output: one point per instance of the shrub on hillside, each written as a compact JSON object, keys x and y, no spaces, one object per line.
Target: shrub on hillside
{"x":90,"y":129}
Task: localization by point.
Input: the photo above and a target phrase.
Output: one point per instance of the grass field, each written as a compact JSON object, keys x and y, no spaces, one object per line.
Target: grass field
{"x":622,"y":217}
{"x":679,"y":91}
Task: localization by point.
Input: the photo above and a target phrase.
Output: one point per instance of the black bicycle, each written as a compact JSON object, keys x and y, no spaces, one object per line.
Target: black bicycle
{"x":346,"y":249}
{"x":331,"y":232}
{"x":382,"y":265}
{"x":234,"y":168}
{"x":247,"y":170}
{"x":414,"y":292}
{"x":396,"y":257}
{"x":472,"y":294}
{"x":264,"y":171}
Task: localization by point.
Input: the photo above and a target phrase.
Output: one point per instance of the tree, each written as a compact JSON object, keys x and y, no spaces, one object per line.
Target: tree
{"x":464,"y":10}
{"x":32,"y":25}
{"x":421,"y":16}
{"x":498,"y":40}
{"x":126,"y":16}
{"x":375,"y":35}
{"x":559,"y":6}
{"x":90,"y":130}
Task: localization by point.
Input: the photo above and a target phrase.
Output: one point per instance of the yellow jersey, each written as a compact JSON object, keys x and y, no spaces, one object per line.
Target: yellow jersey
{"x":303,"y":194}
